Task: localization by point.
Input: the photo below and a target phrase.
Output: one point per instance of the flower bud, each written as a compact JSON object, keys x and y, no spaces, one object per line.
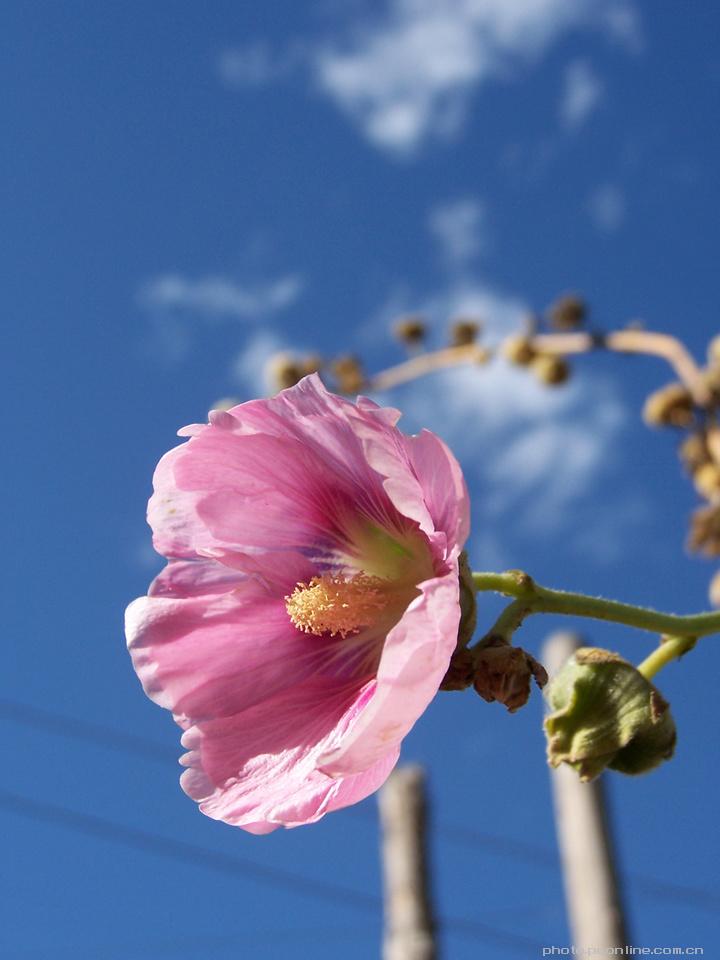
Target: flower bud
{"x":567,"y":312}
{"x":519,"y":350}
{"x":605,"y":713}
{"x":707,"y":481}
{"x":410,"y":330}
{"x":464,"y":332}
{"x":550,"y":369}
{"x":671,"y":406}
{"x":504,"y":673}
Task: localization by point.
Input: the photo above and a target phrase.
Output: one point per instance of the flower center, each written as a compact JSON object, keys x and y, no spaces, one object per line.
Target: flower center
{"x":336,"y":605}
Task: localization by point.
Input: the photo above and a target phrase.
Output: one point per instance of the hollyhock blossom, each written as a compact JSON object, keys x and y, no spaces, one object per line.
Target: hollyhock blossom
{"x":309,"y":608}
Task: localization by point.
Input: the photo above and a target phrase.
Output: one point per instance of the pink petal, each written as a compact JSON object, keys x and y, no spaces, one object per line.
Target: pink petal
{"x":443,"y":485}
{"x":414,"y":661}
{"x":259,"y":769}
{"x":216,"y":654}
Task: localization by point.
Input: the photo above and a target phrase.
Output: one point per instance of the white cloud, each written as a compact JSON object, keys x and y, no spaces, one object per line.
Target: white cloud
{"x":606,"y":206}
{"x":460,"y":229}
{"x":623,"y":23}
{"x":250,"y":367}
{"x":407,"y":76}
{"x":254,"y":65}
{"x":218,"y":297}
{"x":582,"y":92}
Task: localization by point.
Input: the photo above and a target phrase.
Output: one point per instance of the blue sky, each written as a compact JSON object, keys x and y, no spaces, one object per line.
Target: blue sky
{"x":189,"y":188}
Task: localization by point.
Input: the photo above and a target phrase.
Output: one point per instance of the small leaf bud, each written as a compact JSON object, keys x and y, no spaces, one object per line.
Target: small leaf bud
{"x":283,"y":370}
{"x":410,"y":330}
{"x":567,"y":312}
{"x":464,"y":331}
{"x":707,"y":481}
{"x":551,"y":369}
{"x":605,"y":713}
{"x":519,"y":350}
{"x":671,"y":406}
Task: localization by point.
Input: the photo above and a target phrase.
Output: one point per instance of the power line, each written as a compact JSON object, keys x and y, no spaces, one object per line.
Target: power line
{"x":506,"y":847}
{"x":189,"y":853}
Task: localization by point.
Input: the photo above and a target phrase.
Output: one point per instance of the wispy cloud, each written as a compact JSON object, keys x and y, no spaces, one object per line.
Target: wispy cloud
{"x":219,"y":297}
{"x":460,"y":229}
{"x":175,"y":304}
{"x":407,"y":76}
{"x":582,"y":93}
{"x":606,"y":206}
{"x":255,"y":64}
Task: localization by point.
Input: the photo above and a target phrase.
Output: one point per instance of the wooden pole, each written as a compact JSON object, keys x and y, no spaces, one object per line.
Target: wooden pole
{"x":409,"y":925}
{"x":592,"y":891}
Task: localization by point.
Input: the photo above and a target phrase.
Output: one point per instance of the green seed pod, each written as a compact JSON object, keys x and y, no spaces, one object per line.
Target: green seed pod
{"x":605,"y":713}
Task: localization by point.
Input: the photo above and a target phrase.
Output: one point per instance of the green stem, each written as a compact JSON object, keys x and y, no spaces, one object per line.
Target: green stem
{"x":672,"y":648}
{"x":537,"y":599}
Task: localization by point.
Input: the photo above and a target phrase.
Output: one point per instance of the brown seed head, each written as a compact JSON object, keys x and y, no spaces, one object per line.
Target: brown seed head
{"x":519,"y":350}
{"x":567,"y":312}
{"x":550,"y":369}
{"x":464,"y":331}
{"x":670,"y":406}
{"x":284,"y":371}
{"x":704,"y":536}
{"x":707,"y":481}
{"x":410,"y":330}
{"x":349,"y":374}
{"x":693,"y":452}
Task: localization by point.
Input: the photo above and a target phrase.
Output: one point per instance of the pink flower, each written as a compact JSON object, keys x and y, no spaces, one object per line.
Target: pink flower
{"x":309,"y":608}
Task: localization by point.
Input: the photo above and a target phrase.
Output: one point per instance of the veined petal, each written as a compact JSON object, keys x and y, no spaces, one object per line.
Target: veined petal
{"x":258,"y":769}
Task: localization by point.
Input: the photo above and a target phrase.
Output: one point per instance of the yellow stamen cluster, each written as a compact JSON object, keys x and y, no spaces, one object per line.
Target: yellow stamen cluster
{"x":336,"y":605}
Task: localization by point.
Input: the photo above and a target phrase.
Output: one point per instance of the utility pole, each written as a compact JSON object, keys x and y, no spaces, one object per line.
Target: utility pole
{"x":409,"y":925}
{"x":592,"y":891}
